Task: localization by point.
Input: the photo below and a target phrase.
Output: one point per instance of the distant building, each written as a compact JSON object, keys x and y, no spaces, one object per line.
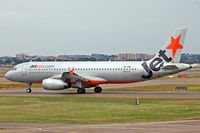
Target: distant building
{"x":22,"y":56}
{"x":100,"y":57}
{"x":190,"y":58}
{"x":131,"y":56}
{"x":103,"y":57}
{"x":62,"y":58}
{"x":51,"y":58}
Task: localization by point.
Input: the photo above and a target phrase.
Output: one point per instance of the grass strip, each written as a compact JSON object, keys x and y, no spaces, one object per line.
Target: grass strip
{"x":93,"y":110}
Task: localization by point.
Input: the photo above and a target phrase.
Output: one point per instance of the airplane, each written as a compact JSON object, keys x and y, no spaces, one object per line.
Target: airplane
{"x":81,"y":75}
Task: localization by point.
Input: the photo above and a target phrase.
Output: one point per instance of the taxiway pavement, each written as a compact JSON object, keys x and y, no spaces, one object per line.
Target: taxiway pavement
{"x":183,"y":126}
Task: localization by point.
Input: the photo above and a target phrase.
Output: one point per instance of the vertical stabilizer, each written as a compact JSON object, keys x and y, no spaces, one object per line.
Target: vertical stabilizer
{"x":172,"y":49}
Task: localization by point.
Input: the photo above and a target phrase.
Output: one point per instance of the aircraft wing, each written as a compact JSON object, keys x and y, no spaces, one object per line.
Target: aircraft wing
{"x":73,"y":77}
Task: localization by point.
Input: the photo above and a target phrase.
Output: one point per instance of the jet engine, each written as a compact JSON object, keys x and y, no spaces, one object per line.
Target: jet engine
{"x":55,"y":84}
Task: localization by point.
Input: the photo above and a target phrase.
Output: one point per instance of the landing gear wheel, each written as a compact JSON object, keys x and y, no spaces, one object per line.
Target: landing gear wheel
{"x":97,"y":89}
{"x":28,"y":90}
{"x":81,"y":90}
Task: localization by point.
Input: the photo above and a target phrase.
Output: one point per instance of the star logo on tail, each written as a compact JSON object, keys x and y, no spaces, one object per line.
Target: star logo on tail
{"x":175,"y":45}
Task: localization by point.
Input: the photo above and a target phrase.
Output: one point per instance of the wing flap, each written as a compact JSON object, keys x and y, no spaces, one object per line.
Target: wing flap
{"x":68,"y":76}
{"x":78,"y":79}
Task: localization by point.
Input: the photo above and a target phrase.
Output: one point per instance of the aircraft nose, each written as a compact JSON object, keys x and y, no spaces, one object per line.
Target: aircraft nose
{"x":8,"y":75}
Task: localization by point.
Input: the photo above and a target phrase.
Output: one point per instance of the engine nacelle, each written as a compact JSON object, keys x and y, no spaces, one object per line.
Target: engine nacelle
{"x":54,"y":84}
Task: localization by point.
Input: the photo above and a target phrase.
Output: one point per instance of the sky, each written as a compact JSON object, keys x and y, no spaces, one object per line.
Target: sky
{"x":56,"y":27}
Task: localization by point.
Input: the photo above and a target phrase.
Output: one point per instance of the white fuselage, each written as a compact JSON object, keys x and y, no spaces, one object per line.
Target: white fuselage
{"x":104,"y":71}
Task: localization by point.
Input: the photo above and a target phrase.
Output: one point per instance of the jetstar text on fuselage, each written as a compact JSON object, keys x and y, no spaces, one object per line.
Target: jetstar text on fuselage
{"x":42,"y":66}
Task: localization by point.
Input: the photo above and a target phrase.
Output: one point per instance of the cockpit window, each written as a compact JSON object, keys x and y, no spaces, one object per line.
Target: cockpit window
{"x":15,"y":68}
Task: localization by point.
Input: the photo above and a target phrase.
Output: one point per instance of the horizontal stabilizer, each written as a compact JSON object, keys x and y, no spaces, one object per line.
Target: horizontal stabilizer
{"x":170,"y":67}
{"x":194,"y":65}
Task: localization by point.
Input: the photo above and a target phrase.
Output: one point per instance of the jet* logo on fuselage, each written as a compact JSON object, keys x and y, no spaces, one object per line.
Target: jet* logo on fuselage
{"x":155,"y":64}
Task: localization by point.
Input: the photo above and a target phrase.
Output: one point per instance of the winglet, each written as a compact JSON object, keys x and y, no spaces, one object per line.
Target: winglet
{"x":71,"y":71}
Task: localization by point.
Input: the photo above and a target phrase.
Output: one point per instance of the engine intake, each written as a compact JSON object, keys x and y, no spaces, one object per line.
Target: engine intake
{"x":55,"y":84}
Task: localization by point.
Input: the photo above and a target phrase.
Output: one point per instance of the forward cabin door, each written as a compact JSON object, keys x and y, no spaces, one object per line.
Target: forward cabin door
{"x":24,"y":70}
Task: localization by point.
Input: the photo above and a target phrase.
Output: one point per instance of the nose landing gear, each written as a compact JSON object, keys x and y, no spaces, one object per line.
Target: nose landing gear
{"x":28,"y":90}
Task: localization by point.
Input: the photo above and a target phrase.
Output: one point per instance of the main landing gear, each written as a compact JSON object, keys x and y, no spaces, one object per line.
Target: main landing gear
{"x":28,"y":90}
{"x":81,"y":90}
{"x":97,"y":89}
